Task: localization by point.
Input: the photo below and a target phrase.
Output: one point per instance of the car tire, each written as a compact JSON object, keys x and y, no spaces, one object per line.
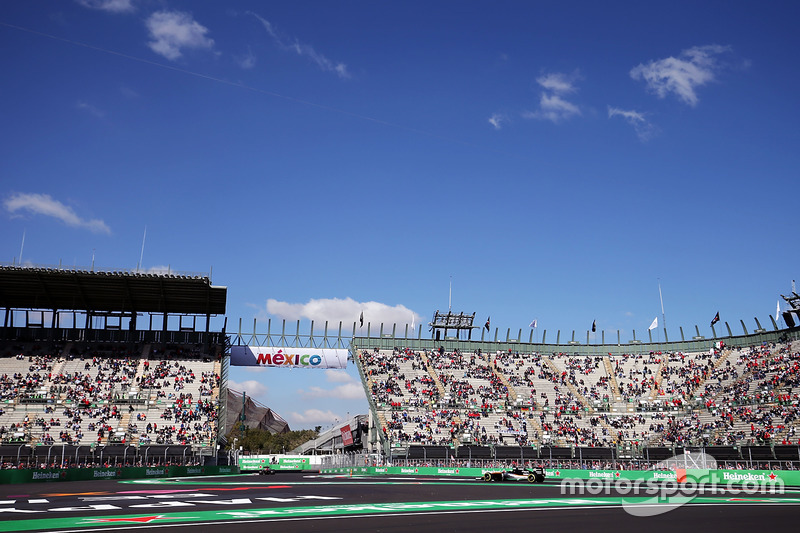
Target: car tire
{"x":487,"y":476}
{"x":531,"y":478}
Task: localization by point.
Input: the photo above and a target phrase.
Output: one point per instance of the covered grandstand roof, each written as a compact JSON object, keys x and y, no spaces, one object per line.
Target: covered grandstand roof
{"x":24,"y":287}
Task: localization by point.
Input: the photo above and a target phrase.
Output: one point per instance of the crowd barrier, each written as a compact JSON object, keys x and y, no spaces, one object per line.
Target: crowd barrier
{"x":717,"y":477}
{"x":137,"y":472}
{"x":257,"y":462}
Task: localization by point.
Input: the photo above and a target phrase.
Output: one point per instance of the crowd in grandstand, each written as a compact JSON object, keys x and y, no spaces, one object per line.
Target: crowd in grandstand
{"x":716,"y":397}
{"x":583,"y":464}
{"x":107,"y":395}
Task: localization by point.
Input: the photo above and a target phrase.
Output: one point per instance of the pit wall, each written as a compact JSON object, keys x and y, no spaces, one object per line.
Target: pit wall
{"x":85,"y":474}
{"x":719,"y":477}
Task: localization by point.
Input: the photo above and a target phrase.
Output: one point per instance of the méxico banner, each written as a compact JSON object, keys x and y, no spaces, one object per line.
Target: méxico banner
{"x":275,"y":357}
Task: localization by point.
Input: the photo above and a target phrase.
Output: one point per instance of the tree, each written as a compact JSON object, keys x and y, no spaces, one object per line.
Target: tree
{"x":261,"y":441}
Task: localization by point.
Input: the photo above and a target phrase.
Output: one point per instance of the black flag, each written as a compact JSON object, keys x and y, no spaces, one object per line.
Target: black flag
{"x":715,"y":319}
{"x":487,"y":323}
{"x":594,"y":326}
{"x":361,"y":319}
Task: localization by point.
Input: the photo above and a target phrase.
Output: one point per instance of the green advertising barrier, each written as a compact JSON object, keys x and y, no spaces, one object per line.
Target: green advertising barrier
{"x":86,"y":474}
{"x":787,"y":478}
{"x":257,"y":462}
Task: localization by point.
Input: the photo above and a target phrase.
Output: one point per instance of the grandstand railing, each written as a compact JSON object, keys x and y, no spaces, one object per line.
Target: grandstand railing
{"x":222,"y":415}
{"x":389,"y":341}
{"x":85,"y":456}
{"x":297,"y":339}
{"x":33,"y":334}
{"x":377,"y":435}
{"x":119,"y":271}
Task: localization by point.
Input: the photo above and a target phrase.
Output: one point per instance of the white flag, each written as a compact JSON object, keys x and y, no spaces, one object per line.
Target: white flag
{"x":654,"y":325}
{"x":778,"y":311}
{"x":534,"y":324}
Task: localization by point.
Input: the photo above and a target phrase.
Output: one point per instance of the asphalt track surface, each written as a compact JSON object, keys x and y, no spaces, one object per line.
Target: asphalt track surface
{"x":296,"y":502}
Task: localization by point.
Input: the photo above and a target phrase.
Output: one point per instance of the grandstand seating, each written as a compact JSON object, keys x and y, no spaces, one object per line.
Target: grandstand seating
{"x":721,"y":398}
{"x":84,"y":394}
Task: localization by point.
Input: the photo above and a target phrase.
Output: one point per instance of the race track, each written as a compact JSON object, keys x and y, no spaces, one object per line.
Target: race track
{"x":312,"y":502}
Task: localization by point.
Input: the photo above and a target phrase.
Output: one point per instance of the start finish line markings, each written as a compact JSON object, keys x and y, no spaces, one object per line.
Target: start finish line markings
{"x":83,"y":522}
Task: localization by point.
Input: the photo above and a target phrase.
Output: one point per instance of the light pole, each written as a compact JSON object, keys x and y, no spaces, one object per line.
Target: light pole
{"x":48,"y":453}
{"x":18,"y":452}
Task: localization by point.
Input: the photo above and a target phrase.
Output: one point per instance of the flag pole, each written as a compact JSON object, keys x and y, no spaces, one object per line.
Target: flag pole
{"x":141,"y":255}
{"x":22,"y":247}
{"x":663,"y":316}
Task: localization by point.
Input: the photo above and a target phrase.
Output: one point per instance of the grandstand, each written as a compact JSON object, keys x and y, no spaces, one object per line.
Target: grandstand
{"x":78,"y":374}
{"x":82,"y":381}
{"x":632,"y":402}
{"x":443,"y":401}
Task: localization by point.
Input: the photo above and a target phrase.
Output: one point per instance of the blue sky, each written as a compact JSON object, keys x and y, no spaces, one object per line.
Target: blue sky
{"x":555,"y":160}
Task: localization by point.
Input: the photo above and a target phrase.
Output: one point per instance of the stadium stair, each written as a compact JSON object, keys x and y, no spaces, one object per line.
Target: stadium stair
{"x":57,"y":368}
{"x":535,"y":429}
{"x":723,"y":357}
{"x":432,"y":373}
{"x":612,"y":378}
{"x":659,"y":377}
{"x":456,"y":420}
{"x":573,"y":389}
{"x":512,"y":392}
{"x":123,"y":424}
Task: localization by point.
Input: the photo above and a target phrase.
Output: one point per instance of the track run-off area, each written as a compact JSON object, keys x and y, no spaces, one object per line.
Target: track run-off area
{"x":314,"y":502}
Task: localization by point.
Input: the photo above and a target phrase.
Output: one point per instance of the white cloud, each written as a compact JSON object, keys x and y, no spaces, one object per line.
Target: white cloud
{"x":553,"y":108}
{"x":315,"y":416}
{"x":345,"y":310}
{"x":348,"y":391}
{"x":252,"y":387}
{"x":552,"y":104}
{"x":44,"y":204}
{"x":302,"y":49}
{"x":112,"y":6}
{"x":497,"y":120}
{"x":350,"y":388}
{"x":557,"y":82}
{"x":89,"y":108}
{"x":127,"y":92}
{"x":338,"y":376}
{"x":172,"y":31}
{"x":643,"y":128}
{"x":694,"y":68}
{"x":158,"y":269}
{"x":246,"y":60}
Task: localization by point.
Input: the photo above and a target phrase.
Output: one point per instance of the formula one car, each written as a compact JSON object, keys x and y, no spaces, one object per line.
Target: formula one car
{"x":266,"y":471}
{"x":531,"y":475}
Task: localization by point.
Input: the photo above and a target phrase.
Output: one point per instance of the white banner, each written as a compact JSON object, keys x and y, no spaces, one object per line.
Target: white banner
{"x":283,"y":357}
